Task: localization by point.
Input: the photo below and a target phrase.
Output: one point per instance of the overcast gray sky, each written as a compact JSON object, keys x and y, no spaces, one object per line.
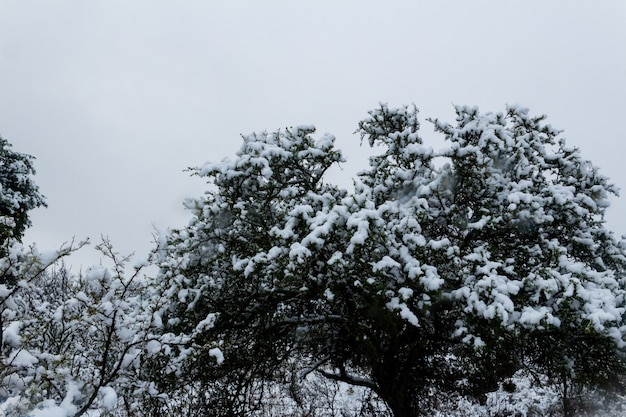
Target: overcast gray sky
{"x":117,"y":98}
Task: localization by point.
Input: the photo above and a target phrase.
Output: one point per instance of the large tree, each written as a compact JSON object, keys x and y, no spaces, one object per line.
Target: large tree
{"x":442,"y":271}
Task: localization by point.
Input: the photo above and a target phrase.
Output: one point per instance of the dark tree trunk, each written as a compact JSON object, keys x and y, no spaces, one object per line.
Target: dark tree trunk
{"x":567,"y":409}
{"x":397,"y":388}
{"x":399,"y":403}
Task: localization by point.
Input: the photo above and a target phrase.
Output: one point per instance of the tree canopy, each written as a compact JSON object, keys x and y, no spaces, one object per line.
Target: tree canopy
{"x":442,"y":271}
{"x":18,"y":192}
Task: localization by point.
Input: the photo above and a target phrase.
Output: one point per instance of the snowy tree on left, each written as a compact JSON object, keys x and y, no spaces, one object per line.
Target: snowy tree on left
{"x":68,"y":343}
{"x":18,"y":195}
{"x":18,"y":192}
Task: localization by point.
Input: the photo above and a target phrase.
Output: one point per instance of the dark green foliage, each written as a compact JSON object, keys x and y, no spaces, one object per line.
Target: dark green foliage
{"x":18,"y":193}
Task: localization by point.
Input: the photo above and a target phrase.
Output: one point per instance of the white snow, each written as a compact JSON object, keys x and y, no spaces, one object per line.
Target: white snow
{"x":405,"y":312}
{"x":217,"y":354}
{"x":108,"y":398}
{"x":11,"y":334}
{"x":153,"y":346}
{"x":22,"y":358}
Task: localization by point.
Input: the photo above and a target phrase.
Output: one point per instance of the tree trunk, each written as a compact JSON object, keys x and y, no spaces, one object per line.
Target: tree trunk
{"x":398,"y":399}
{"x":567,"y":411}
{"x":401,"y":409}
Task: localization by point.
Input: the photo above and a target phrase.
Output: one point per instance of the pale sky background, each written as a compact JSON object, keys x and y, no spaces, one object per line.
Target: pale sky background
{"x":116,"y":98}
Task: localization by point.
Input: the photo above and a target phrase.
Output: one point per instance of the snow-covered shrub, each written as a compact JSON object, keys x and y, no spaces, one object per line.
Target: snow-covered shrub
{"x":72,"y":343}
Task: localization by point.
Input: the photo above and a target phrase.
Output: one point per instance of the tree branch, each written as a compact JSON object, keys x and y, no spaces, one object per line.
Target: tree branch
{"x":349,"y":379}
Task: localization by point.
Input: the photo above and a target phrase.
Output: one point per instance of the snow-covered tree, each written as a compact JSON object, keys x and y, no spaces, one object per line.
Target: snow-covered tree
{"x":18,"y":193}
{"x":442,"y":272}
{"x":538,"y":278}
{"x":24,"y":314}
{"x":250,"y":266}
